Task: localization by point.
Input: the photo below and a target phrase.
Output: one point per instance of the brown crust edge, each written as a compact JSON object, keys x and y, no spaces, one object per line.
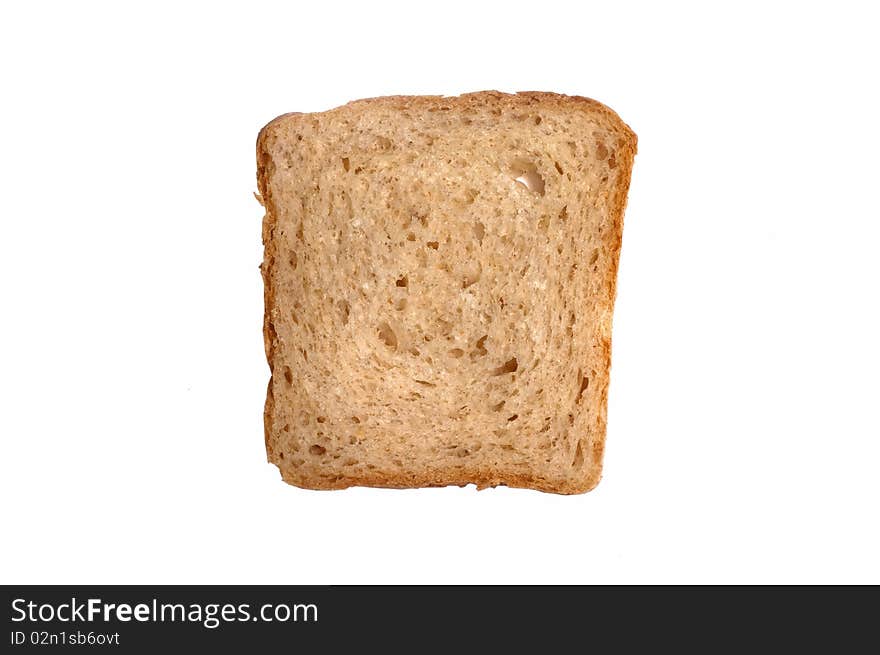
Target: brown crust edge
{"x":264,"y":164}
{"x":625,"y":154}
{"x":438,"y":478}
{"x":441,"y":478}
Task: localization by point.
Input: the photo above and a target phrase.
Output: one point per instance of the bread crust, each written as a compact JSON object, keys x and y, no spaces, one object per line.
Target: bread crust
{"x":480,"y":476}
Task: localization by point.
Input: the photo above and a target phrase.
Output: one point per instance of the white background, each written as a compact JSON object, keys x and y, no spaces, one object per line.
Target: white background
{"x":743,"y":437}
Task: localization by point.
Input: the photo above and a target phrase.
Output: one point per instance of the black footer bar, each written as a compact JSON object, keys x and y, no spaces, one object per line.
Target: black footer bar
{"x":422,"y":618}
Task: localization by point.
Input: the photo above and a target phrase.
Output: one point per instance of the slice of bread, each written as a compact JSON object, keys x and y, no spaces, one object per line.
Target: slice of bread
{"x":439,"y":282}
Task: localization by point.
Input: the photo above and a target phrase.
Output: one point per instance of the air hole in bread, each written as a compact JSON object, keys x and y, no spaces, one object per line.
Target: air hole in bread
{"x":355,"y":419}
{"x":415,"y":352}
{"x":456,"y":352}
{"x":479,"y":231}
{"x":315,"y":449}
{"x":433,"y":244}
{"x":537,"y":120}
{"x":286,"y":427}
{"x":426,"y":383}
{"x":601,"y":150}
{"x":321,"y":419}
{"x":571,"y":419}
{"x":470,"y":194}
{"x":563,"y":213}
{"x":513,"y":418}
{"x":352,"y":440}
{"x":594,"y":256}
{"x":411,"y":237}
{"x":612,"y":162}
{"x":345,"y":310}
{"x":294,"y":261}
{"x":578,"y":455}
{"x":526,"y":174}
{"x":345,"y":164}
{"x":531,"y":181}
{"x":507,"y":367}
{"x":480,"y":349}
{"x":402,"y":282}
{"x":280,"y":455}
{"x":288,"y":376}
{"x":557,"y":167}
{"x":544,"y":223}
{"x":471,"y":277}
{"x":387,"y":336}
{"x":498,"y":406}
{"x":294,"y":317}
{"x":584,"y":383}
